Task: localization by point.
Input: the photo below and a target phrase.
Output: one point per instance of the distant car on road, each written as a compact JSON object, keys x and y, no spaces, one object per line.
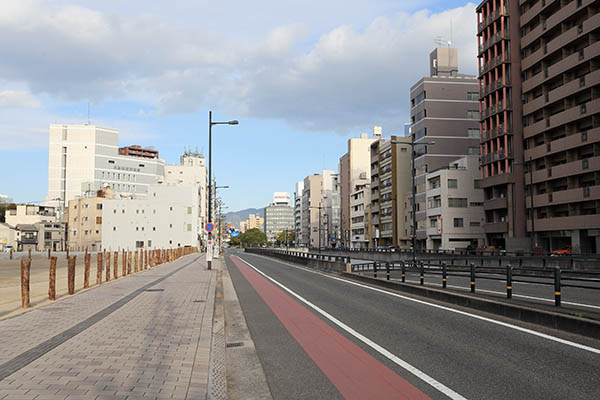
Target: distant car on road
{"x":563,"y":252}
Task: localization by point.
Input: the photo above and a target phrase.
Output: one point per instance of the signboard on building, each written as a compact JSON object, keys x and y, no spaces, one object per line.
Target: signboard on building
{"x":281,"y":198}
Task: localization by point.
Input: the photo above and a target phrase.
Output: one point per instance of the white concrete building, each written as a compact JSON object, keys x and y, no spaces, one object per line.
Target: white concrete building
{"x":86,"y":158}
{"x":455,"y":213}
{"x":279,"y":216}
{"x":298,"y":212}
{"x":30,"y":214}
{"x":191,"y":172}
{"x":167,"y":218}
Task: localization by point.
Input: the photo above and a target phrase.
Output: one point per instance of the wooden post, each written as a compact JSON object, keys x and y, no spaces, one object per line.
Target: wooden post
{"x":52,"y":280}
{"x":67,"y":253}
{"x":48,"y":254}
{"x":71,"y":274}
{"x":124,"y":265}
{"x":115,"y":269}
{"x":135,"y":257}
{"x":99,"y":270}
{"x":86,"y":271}
{"x":25,"y":270}
{"x":30,"y":252}
{"x":128,"y":262}
{"x":107,"y":257}
{"x":11,"y":251}
{"x":146,"y":259}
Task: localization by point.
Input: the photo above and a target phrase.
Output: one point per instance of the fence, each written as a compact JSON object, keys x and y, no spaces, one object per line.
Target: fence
{"x":131,"y":262}
{"x":552,"y":276}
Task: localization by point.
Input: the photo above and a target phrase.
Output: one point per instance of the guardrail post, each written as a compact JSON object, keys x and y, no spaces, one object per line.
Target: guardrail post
{"x":444,"y":275}
{"x":472,"y":277}
{"x":403,"y":272}
{"x":387,"y":271}
{"x":422,"y":272}
{"x":509,"y":281}
{"x":557,"y":286}
{"x":375,"y":269}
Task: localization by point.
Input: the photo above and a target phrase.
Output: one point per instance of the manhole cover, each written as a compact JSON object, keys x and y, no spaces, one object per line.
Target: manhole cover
{"x":154,"y":290}
{"x":235,"y":344}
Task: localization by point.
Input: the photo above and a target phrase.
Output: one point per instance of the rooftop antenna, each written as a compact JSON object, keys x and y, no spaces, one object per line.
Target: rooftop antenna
{"x":440,"y":41}
{"x":451,"y":36}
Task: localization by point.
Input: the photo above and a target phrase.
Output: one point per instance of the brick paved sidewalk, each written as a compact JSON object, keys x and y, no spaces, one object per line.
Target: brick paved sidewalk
{"x":145,"y":336}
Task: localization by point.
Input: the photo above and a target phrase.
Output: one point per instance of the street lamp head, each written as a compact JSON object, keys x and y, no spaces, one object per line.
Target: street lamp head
{"x":234,"y":122}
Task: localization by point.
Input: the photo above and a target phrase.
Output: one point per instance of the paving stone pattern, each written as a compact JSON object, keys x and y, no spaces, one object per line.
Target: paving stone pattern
{"x":157,"y":345}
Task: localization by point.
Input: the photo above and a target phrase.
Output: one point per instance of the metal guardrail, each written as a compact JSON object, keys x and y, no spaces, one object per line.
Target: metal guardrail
{"x":556,"y":277}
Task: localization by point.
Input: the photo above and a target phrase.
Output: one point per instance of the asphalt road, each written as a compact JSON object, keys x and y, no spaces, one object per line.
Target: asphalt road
{"x":471,"y":357}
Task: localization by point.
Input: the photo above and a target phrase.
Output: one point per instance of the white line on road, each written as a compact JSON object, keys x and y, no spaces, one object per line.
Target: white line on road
{"x":403,"y":364}
{"x":490,"y":320}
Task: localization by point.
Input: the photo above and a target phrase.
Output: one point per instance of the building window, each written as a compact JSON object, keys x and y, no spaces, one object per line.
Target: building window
{"x":473,"y":133}
{"x":170,"y":225}
{"x":111,"y":161}
{"x":98,"y":220}
{"x":472,"y":114}
{"x":458,"y":222}
{"x":477,"y":183}
{"x":189,"y":227}
{"x":457,"y":202}
{"x":472,"y":150}
{"x":474,"y":223}
{"x":473,"y":96}
{"x":114,"y":211}
{"x":452,"y":184}
{"x":189,"y":210}
{"x":154,"y":228}
{"x":476,"y":204}
{"x":98,"y":206}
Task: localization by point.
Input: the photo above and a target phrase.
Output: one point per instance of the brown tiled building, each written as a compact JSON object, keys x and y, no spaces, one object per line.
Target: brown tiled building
{"x":540,"y":103}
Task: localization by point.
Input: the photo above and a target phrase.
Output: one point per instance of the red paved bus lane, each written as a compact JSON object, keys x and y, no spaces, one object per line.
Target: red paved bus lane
{"x":354,"y":372}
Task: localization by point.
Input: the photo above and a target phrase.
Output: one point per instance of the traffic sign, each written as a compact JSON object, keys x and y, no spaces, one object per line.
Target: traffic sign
{"x":210,"y":242}
{"x":209,"y":227}
{"x":235,"y":234}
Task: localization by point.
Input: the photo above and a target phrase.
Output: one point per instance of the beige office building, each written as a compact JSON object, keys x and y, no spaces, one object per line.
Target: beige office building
{"x":253,"y":221}
{"x":84,"y":217}
{"x":355,"y":171}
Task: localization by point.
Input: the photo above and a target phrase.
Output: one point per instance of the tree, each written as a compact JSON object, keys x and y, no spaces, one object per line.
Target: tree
{"x":291,"y":236}
{"x":254,"y":237}
{"x":234,"y":241}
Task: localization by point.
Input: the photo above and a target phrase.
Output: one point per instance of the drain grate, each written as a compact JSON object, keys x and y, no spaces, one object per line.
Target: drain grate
{"x":198,"y":301}
{"x":235,"y":344}
{"x":154,"y":290}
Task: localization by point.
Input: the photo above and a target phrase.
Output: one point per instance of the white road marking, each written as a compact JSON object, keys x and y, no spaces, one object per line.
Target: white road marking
{"x":403,"y":364}
{"x":490,"y":320}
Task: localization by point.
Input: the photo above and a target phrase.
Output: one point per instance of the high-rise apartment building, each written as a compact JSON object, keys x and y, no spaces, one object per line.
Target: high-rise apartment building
{"x":444,"y":110}
{"x":390,"y":181}
{"x":279,"y":216}
{"x":312,"y":211}
{"x":539,"y":86}
{"x":298,"y":213}
{"x":86,"y":158}
{"x":355,"y":171}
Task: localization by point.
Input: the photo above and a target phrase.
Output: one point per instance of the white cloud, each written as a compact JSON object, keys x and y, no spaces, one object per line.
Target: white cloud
{"x":348,"y":79}
{"x":13,"y":98}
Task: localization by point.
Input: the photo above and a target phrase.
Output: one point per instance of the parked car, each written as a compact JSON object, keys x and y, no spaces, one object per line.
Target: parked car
{"x":563,"y":252}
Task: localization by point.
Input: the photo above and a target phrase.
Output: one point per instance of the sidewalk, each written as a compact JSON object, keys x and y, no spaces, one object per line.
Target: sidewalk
{"x":144,"y":336}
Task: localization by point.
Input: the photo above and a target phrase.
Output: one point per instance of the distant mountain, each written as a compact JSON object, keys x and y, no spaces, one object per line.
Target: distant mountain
{"x":234,"y":217}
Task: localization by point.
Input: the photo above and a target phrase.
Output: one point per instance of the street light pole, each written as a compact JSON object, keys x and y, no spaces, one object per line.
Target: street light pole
{"x":210,"y":125}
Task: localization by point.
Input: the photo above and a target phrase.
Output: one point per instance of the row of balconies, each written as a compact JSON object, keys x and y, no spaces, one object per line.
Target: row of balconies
{"x":492,"y":87}
{"x":494,"y":39}
{"x":496,"y":108}
{"x":567,"y":116}
{"x":562,"y":66}
{"x":563,"y":170}
{"x":493,"y":63}
{"x":495,"y":156}
{"x":568,"y":196}
{"x":493,"y":16}
{"x":564,"y":144}
{"x":493,"y":133}
{"x":569,"y":89}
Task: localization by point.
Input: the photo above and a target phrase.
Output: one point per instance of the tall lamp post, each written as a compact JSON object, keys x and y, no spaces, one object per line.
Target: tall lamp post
{"x":210,"y":125}
{"x":412,"y":144}
{"x":534,"y":243}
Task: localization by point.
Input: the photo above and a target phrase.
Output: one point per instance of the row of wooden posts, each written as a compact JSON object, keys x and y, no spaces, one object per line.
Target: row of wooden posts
{"x":132,"y":262}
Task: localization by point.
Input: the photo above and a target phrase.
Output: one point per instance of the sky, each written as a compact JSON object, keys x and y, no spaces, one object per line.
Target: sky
{"x":301,"y":76}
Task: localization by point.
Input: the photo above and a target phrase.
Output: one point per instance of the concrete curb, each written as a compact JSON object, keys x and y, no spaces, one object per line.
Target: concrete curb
{"x":581,"y":326}
{"x":217,"y":374}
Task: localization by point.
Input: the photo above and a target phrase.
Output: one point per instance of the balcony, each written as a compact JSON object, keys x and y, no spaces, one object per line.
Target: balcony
{"x":566,"y":223}
{"x":563,"y":144}
{"x":551,"y":22}
{"x":496,"y":38}
{"x":570,"y":115}
{"x":493,"y":16}
{"x":567,"y":169}
{"x":494,"y":62}
{"x":495,"y":227}
{"x":567,"y":196}
{"x":495,"y":204}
